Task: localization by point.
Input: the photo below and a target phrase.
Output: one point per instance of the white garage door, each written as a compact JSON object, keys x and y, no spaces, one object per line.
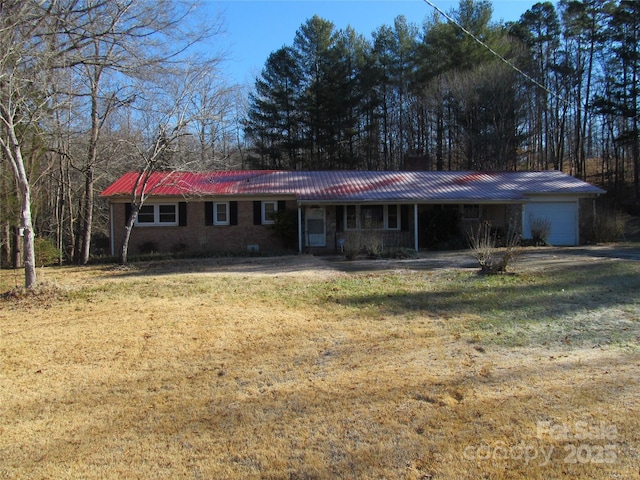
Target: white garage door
{"x":563,"y":217}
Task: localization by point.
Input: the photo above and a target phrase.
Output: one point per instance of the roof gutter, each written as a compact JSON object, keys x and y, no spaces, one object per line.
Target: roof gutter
{"x":412,"y":202}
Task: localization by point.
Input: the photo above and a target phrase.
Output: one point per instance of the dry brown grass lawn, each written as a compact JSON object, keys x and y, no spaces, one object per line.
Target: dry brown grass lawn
{"x":186,"y":372}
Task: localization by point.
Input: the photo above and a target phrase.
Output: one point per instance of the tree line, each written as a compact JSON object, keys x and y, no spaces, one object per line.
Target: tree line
{"x":90,"y":89}
{"x":555,"y":90}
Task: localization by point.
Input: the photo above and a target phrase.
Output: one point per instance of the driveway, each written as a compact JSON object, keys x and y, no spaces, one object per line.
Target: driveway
{"x":529,"y":257}
{"x":538,"y":257}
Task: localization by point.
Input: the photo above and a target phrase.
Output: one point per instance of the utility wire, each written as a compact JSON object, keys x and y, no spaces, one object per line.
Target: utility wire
{"x":493,"y":52}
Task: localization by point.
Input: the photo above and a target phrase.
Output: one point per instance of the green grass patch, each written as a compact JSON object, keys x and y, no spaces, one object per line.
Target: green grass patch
{"x":579,"y":305}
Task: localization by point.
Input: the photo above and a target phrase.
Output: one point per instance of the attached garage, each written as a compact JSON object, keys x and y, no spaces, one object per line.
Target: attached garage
{"x":563,"y":215}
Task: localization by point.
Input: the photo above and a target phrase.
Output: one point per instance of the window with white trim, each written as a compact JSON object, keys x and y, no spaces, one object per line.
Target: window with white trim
{"x":221,"y":213}
{"x":158,"y":214}
{"x":269,"y":210}
{"x":146,"y":215}
{"x":372,"y":217}
{"x":392,"y":217}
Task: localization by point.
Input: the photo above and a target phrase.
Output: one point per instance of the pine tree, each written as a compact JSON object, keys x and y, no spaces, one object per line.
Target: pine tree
{"x":274,"y":117}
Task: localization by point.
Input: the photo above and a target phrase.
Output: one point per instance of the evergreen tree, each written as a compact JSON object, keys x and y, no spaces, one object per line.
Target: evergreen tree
{"x":273,"y":118}
{"x":351,"y":52}
{"x":313,"y":44}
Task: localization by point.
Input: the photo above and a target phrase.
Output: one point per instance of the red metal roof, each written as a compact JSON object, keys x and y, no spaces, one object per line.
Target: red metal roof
{"x":359,"y":186}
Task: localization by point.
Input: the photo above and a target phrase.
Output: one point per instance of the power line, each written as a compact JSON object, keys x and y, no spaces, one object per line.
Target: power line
{"x":494,"y":53}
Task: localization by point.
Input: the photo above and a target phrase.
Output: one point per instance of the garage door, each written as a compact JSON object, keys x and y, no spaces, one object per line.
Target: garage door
{"x":563,"y":217}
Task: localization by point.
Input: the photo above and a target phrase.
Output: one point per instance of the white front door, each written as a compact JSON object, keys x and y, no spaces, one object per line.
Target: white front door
{"x":316,"y":235}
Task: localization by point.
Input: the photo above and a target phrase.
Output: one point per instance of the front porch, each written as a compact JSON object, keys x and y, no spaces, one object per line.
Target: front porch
{"x":337,"y":228}
{"x":384,"y":228}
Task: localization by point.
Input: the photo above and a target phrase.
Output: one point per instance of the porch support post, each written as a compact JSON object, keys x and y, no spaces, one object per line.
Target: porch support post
{"x":299,"y":228}
{"x":415,"y":226}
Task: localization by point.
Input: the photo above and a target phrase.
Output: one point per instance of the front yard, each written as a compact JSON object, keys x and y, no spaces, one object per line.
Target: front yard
{"x":185,"y":371}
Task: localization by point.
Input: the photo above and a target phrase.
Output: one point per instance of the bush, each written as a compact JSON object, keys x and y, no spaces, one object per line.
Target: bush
{"x":46,"y":252}
{"x":148,"y":248}
{"x":483,"y":244}
{"x":285,"y":227}
{"x":540,"y":230}
{"x":373,"y":244}
{"x":100,"y":245}
{"x":605,"y":226}
{"x":178,"y":248}
{"x":484,"y":247}
{"x":352,"y":244}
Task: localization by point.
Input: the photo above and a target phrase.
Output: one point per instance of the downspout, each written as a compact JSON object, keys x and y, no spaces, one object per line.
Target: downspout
{"x":415,"y":226}
{"x":299,"y":228}
{"x":576,"y":222}
{"x":595,"y":212}
{"x":112,"y":244}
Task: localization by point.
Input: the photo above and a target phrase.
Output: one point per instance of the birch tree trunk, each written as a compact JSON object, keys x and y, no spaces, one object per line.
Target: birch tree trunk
{"x":11,"y":147}
{"x":124,"y":249}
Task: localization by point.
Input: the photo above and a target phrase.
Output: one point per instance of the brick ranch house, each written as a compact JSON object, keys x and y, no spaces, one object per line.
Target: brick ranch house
{"x":232,"y":211}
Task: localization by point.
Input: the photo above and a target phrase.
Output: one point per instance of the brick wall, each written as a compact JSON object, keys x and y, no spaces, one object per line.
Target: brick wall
{"x":196,"y":237}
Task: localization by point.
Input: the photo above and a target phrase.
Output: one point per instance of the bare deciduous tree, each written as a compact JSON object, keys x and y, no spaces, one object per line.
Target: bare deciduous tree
{"x":166,"y":117}
{"x":99,"y":49}
{"x":129,"y":40}
{"x":25,"y":57}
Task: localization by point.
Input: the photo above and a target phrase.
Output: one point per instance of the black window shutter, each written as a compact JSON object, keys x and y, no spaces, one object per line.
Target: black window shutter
{"x":282,"y":205}
{"x":339,"y":218}
{"x":182,"y":214}
{"x":127,"y":212}
{"x":233,"y":213}
{"x":404,"y":218}
{"x":257,"y":212}
{"x":208,"y":213}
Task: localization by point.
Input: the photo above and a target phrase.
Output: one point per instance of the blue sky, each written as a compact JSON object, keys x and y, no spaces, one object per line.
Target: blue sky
{"x":255,"y":28}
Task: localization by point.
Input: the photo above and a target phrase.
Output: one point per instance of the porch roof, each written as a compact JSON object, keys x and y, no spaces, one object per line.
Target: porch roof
{"x":359,"y":186}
